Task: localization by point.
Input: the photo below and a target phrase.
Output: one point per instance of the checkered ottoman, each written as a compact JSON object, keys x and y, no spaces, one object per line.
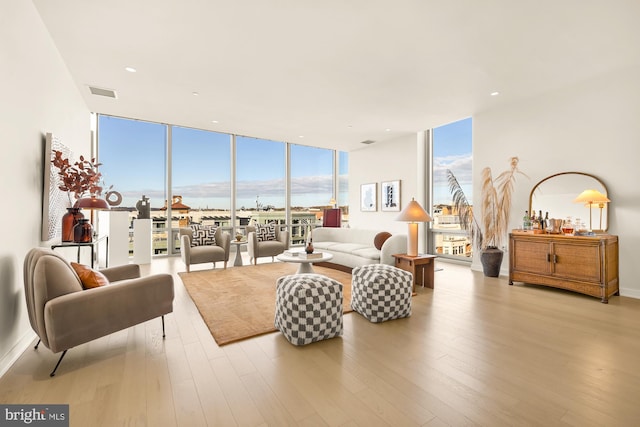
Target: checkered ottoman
{"x":381,"y":292}
{"x":308,"y":308}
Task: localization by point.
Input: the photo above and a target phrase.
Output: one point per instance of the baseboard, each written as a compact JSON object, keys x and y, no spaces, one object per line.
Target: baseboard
{"x":16,"y":351}
{"x":631,"y":293}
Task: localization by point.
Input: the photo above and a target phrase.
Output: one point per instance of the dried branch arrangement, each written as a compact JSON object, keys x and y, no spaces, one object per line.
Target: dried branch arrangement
{"x":496,"y":197}
{"x":81,"y":178}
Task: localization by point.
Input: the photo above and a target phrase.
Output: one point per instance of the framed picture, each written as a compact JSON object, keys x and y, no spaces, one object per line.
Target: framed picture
{"x":54,"y":201}
{"x":390,"y":196}
{"x":368,"y":193}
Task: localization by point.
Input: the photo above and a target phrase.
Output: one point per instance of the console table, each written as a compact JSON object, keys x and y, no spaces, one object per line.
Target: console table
{"x":588,"y":265}
{"x":92,"y":245}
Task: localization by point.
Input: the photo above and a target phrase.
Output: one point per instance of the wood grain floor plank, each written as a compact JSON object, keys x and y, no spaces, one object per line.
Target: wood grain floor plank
{"x":475,"y":352}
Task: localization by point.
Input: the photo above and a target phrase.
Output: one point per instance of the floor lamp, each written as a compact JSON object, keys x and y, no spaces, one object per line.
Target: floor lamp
{"x":591,"y":198}
{"x":413,"y":214}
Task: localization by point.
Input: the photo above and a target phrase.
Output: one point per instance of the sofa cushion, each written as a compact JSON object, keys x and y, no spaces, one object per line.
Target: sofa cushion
{"x":348,"y":247}
{"x":89,"y":277}
{"x":265,"y":232}
{"x":380,"y":238}
{"x":368,"y":253}
{"x":203,"y":235}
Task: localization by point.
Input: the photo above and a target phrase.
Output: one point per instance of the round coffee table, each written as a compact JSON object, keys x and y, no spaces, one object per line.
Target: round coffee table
{"x":306,"y":264}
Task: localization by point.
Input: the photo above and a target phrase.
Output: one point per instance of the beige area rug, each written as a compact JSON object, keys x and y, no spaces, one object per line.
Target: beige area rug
{"x":239,"y":302}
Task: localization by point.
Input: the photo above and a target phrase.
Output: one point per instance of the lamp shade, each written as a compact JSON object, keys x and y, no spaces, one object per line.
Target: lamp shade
{"x":413,"y":212}
{"x":591,"y":197}
{"x":92,"y":202}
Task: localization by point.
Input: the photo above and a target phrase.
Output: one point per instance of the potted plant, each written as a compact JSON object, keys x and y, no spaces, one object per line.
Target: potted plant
{"x":494,"y":215}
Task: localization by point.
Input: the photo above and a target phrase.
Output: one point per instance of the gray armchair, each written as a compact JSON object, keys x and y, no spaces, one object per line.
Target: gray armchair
{"x":64,"y":315}
{"x":206,"y":253}
{"x":257,"y":249}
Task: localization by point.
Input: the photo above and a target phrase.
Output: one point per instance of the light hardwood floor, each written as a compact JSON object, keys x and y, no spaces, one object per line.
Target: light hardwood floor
{"x":475,"y":351}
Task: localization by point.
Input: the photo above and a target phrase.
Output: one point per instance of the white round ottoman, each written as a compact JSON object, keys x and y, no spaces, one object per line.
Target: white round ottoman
{"x":308,"y":308}
{"x":381,"y":292}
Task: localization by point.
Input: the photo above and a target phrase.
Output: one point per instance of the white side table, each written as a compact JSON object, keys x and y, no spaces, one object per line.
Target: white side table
{"x":238,"y":244}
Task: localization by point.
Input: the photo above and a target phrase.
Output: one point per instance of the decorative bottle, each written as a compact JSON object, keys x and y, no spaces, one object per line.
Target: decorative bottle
{"x":69,"y":220}
{"x":526,"y":221}
{"x":83,"y":231}
{"x":309,"y":248}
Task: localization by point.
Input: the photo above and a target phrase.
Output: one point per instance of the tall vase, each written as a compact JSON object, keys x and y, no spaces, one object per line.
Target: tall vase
{"x":491,"y":259}
{"x":69,"y":220}
{"x":83,"y":231}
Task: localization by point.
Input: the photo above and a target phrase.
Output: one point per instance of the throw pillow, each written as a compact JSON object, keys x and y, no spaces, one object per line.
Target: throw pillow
{"x":380,"y":238}
{"x":89,"y":277}
{"x":203,"y":235}
{"x":265,"y":232}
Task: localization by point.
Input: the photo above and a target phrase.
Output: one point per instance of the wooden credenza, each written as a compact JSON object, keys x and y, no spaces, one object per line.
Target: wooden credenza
{"x":588,"y":265}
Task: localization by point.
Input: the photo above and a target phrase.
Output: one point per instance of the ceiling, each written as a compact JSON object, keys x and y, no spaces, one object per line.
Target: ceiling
{"x":332,"y":73}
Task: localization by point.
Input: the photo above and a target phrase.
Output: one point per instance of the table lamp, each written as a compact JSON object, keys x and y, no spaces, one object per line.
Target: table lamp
{"x":83,"y":231}
{"x":590,"y":198}
{"x":413,"y":214}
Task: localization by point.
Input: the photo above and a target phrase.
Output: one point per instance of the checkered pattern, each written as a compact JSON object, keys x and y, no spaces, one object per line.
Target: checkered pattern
{"x":308,"y":308}
{"x":381,"y":292}
{"x":265,"y":232}
{"x":203,"y":235}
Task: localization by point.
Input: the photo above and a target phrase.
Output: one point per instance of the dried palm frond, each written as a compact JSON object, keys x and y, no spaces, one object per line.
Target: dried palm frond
{"x":499,"y":216}
{"x":465,"y":212}
{"x":496,"y":197}
{"x":490,"y":208}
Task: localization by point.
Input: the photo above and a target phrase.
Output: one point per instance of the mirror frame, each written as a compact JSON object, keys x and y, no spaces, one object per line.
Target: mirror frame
{"x":606,"y":193}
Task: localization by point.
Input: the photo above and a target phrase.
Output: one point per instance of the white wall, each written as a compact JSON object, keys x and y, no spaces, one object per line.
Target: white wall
{"x":590,"y":127}
{"x":38,"y":96}
{"x":387,"y":161}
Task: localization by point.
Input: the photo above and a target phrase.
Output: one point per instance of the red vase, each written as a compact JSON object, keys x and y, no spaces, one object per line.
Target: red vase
{"x":69,"y":220}
{"x":83,"y":231}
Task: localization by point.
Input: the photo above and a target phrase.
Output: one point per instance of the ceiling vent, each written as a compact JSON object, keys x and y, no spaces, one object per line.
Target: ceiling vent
{"x":109,"y":93}
{"x":367,"y":142}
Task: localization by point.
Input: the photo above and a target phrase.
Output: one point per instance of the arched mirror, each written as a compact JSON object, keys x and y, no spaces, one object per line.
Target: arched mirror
{"x":556,"y":194}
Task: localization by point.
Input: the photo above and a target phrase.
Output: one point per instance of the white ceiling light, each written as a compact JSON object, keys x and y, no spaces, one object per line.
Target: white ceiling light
{"x":130,"y":69}
{"x":495,"y":93}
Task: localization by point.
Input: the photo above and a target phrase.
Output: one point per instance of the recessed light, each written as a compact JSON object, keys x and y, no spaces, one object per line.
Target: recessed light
{"x":495,"y":93}
{"x":300,"y":136}
{"x":214,"y":121}
{"x":195,"y":93}
{"x":130,"y":69}
{"x":387,"y":130}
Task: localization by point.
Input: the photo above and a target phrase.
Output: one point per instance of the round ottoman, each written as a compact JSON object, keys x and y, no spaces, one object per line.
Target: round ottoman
{"x":381,"y":292}
{"x":308,"y":308}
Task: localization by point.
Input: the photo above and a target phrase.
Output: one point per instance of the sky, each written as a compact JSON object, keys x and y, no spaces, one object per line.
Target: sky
{"x":452,"y":150}
{"x":133,"y":155}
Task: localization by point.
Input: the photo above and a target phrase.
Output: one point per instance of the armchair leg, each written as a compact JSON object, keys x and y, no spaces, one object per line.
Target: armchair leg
{"x":57,"y":364}
{"x":37,"y":344}
{"x":163,"y":335}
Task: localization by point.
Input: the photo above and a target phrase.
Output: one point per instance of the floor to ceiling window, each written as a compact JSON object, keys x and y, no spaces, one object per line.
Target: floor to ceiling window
{"x":311,"y":187}
{"x":200,"y":178}
{"x":135,"y":161}
{"x":133,"y":157}
{"x":260,"y":180}
{"x":452,"y":145}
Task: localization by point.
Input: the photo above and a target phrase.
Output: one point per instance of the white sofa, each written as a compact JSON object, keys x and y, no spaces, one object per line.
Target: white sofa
{"x":352,"y":247}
